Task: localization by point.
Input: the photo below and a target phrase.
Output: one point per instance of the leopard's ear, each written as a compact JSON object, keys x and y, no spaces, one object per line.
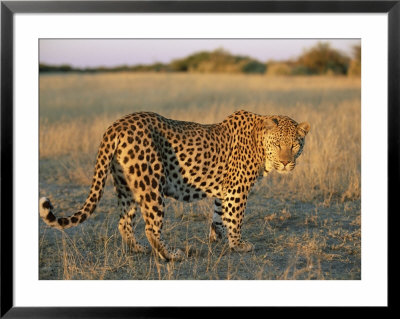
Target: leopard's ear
{"x":269,"y":123}
{"x":303,"y":128}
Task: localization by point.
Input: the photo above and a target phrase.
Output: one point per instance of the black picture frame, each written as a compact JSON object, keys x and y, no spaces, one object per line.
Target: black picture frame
{"x":9,"y":8}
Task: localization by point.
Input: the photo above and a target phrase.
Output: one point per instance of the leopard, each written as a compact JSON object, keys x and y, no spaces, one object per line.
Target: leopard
{"x":152,"y":158}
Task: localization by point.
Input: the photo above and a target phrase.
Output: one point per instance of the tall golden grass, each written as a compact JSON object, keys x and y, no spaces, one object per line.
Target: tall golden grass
{"x":329,"y":167}
{"x":88,"y":96}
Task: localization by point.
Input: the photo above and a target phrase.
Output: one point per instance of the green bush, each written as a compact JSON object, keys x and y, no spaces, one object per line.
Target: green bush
{"x":254,"y":67}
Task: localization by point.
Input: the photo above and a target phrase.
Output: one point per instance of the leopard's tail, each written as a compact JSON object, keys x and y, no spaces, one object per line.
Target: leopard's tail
{"x":105,"y":155}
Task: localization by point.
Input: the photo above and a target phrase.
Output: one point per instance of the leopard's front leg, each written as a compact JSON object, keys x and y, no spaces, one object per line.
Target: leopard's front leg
{"x":217,"y":229}
{"x":233,"y":207}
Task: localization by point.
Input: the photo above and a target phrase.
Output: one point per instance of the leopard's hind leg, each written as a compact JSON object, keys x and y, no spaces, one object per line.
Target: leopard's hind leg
{"x":126,"y":227}
{"x":128,"y":208}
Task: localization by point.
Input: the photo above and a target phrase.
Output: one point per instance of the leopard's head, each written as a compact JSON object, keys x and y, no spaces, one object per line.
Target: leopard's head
{"x":283,"y":143}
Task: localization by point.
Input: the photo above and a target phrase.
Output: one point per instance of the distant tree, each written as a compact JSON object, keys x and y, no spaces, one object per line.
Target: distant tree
{"x":55,"y":68}
{"x":322,"y":59}
{"x":355,"y":64}
{"x":218,"y":60}
{"x":190,"y":62}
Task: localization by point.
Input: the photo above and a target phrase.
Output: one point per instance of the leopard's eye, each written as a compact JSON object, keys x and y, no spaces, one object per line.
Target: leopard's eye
{"x":295,"y":147}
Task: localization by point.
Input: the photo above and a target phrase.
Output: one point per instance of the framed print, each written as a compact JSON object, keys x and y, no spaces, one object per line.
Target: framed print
{"x":252,"y":148}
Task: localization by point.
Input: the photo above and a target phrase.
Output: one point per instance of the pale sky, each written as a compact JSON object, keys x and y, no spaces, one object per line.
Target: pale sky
{"x":114,"y":52}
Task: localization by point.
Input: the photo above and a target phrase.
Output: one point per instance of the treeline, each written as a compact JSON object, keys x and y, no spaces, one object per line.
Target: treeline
{"x":320,"y":59}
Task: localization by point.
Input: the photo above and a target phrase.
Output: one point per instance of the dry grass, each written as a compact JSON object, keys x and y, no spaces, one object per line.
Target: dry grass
{"x":305,"y":225}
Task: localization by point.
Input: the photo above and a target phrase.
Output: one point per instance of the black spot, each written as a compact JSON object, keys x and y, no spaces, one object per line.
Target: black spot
{"x":63,"y":221}
{"x":148,"y":198}
{"x":74,"y":220}
{"x":122,"y":180}
{"x":162,"y":180}
{"x":50,"y":217}
{"x":130,"y":139}
{"x":83,"y":218}
{"x":46,"y":205}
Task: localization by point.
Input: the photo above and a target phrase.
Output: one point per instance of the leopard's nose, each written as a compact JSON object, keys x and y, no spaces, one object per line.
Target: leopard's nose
{"x":284,"y":162}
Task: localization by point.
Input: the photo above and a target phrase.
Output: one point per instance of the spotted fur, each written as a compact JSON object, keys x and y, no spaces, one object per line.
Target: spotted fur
{"x":151,"y":158}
